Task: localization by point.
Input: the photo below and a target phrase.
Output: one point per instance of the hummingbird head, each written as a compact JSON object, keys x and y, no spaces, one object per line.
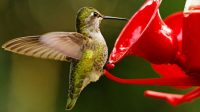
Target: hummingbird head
{"x":90,"y":18}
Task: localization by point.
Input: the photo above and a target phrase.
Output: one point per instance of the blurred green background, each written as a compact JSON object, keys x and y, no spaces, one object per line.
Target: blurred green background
{"x":34,"y":85}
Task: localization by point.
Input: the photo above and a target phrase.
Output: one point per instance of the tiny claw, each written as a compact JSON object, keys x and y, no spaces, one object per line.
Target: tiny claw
{"x":109,"y":65}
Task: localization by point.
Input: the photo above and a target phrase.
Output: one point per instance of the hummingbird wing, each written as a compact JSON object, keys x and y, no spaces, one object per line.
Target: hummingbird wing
{"x":54,"y":45}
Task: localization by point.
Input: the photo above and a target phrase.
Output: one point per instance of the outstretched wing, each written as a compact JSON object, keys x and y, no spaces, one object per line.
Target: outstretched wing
{"x":54,"y":45}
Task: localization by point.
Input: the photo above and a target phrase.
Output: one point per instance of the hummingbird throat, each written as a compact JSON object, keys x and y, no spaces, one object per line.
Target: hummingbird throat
{"x":88,"y":26}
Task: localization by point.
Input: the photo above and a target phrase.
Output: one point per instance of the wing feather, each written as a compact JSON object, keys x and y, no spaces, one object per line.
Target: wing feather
{"x":54,"y":45}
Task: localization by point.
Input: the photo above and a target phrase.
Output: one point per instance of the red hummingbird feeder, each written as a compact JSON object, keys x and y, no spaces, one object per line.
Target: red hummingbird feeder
{"x":171,"y":46}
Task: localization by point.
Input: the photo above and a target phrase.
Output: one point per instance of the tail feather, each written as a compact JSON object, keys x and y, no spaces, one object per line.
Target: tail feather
{"x":71,"y":103}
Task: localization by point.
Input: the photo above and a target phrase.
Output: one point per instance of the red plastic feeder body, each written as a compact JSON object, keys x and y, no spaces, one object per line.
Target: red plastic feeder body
{"x":133,"y":30}
{"x":191,"y":40}
{"x":172,"y":47}
{"x":158,"y":44}
{"x":147,"y":36}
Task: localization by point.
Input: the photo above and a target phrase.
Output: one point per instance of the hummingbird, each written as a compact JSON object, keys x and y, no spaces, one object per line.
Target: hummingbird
{"x":86,"y":50}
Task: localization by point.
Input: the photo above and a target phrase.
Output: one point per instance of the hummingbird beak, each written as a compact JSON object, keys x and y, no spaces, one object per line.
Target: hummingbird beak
{"x":114,"y":18}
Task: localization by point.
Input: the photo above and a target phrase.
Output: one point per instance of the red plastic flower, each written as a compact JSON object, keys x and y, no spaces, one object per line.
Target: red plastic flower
{"x":171,"y":46}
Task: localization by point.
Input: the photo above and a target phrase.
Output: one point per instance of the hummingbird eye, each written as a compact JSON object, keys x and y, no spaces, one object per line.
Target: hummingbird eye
{"x":95,"y":14}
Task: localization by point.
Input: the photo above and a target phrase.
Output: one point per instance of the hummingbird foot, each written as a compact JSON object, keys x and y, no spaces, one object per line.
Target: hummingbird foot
{"x":109,"y":65}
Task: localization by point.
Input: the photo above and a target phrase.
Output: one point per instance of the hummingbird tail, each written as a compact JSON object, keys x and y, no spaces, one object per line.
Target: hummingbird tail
{"x":71,"y":103}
